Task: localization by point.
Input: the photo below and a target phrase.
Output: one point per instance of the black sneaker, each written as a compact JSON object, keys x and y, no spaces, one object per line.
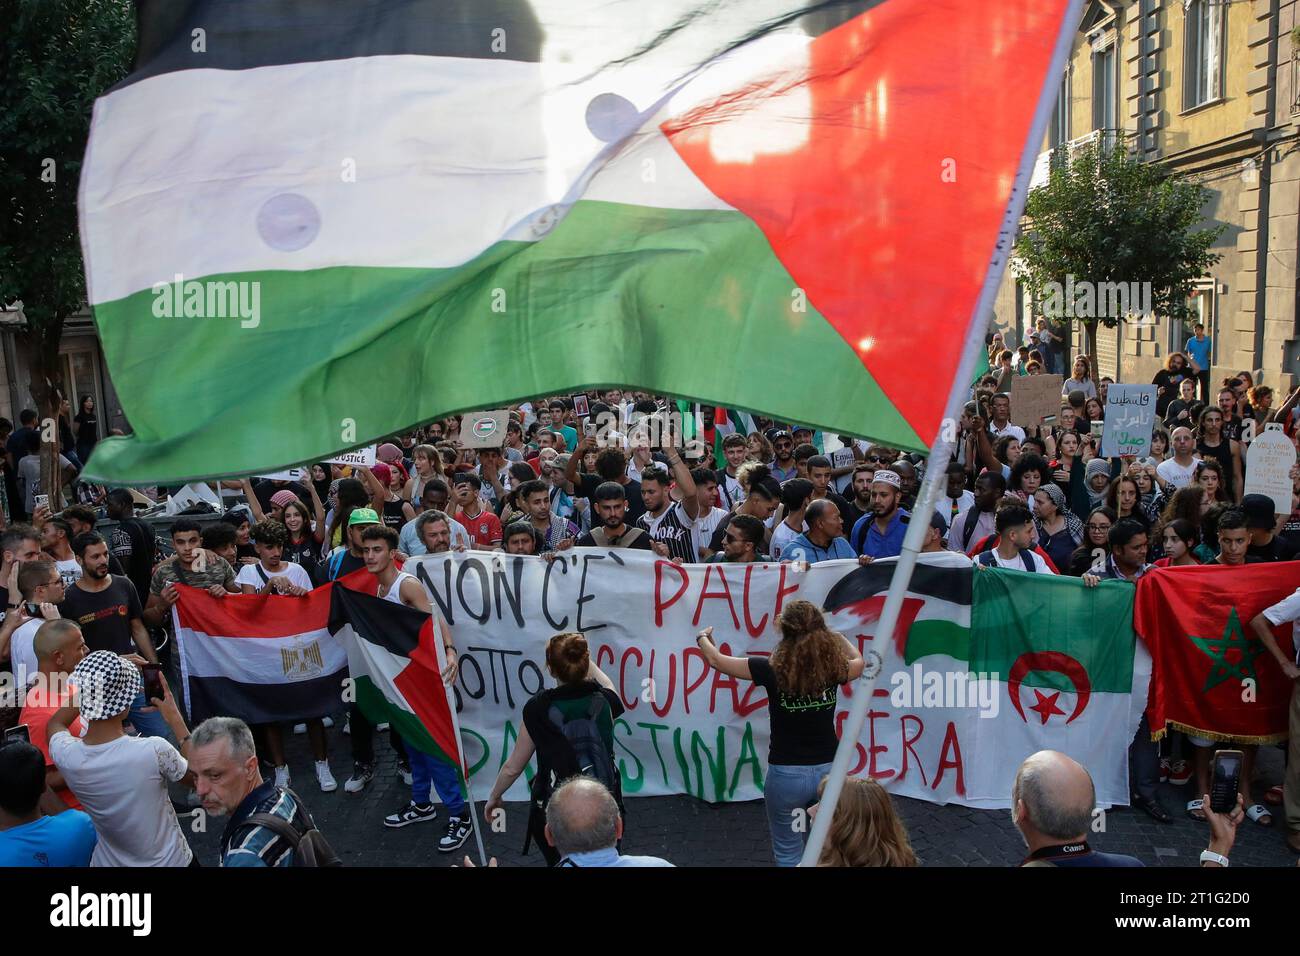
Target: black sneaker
{"x":362,"y":774}
{"x":411,"y":813}
{"x":458,"y":831}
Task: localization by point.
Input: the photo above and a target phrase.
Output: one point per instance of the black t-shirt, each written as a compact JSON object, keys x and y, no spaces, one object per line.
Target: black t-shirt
{"x":1169,"y":382}
{"x":393,"y":517}
{"x":132,"y":543}
{"x":1279,"y":549}
{"x":104,"y":616}
{"x":554,"y":753}
{"x":305,"y":553}
{"x":587,"y":485}
{"x":803,"y":728}
{"x":341,"y":567}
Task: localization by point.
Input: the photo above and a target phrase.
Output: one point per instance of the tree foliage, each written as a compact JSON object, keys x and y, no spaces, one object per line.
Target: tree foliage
{"x":1106,"y":216}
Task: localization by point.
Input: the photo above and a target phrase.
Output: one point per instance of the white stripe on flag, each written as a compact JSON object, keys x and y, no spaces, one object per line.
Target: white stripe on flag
{"x":262,"y":660}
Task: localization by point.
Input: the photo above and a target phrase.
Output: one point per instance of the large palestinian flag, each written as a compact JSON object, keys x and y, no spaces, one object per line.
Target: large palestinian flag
{"x":1058,"y":665}
{"x":393,"y":663}
{"x":331,"y":220}
{"x":1213,"y":676}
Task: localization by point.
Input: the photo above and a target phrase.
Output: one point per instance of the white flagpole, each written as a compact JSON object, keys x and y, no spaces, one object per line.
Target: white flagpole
{"x":460,"y":743}
{"x":941,"y":449}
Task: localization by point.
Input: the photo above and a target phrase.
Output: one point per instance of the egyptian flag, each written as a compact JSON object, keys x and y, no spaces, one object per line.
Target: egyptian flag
{"x":262,"y":658}
{"x":393,"y":662}
{"x":1213,"y":676}
{"x":331,"y":208}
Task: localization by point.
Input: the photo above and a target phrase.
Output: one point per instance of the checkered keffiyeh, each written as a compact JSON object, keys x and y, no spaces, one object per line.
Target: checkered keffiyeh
{"x":105,"y":684}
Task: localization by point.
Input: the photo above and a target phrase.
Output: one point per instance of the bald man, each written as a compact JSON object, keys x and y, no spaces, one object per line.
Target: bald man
{"x":584,"y":825}
{"x":1052,"y":805}
{"x":59,"y":646}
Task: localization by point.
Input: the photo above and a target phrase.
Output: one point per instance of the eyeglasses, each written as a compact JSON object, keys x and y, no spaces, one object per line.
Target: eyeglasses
{"x":1098,"y":527}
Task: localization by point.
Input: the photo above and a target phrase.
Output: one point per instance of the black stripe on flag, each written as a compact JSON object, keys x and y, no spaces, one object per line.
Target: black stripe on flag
{"x":265,"y":703}
{"x":945,"y":584}
{"x":387,"y":624}
{"x":244,"y":34}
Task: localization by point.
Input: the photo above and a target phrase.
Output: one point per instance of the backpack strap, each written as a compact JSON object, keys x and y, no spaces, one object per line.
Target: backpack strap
{"x":986,"y":558}
{"x":277,"y":825}
{"x":261,"y":573}
{"x":1027,"y":558}
{"x":968,"y":526}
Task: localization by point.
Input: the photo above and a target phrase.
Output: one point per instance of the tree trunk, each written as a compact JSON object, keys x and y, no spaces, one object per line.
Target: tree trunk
{"x":45,"y":386}
{"x":1090,"y":346}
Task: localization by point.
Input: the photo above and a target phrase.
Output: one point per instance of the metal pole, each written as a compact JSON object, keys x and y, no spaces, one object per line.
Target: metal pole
{"x":941,"y":449}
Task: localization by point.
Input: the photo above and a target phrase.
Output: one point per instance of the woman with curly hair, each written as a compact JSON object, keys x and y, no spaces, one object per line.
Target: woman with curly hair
{"x":802,"y":678}
{"x":759,"y":448}
{"x":865,"y":830}
{"x":1209,"y":475}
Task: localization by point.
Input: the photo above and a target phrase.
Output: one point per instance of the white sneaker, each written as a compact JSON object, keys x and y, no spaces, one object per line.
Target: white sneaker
{"x":299,"y":728}
{"x":327,"y":721}
{"x":381,"y":727}
{"x":282,"y":776}
{"x":326,"y":779}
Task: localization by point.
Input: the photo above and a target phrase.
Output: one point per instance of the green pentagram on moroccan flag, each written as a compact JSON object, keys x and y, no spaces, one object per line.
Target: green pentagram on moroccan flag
{"x":1217,"y":649}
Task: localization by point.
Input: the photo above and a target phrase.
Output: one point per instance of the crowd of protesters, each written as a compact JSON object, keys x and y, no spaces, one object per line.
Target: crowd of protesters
{"x":78,"y":603}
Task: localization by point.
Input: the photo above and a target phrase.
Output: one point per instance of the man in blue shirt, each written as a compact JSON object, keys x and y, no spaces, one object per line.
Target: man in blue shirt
{"x":880,"y":534}
{"x":823,"y":541}
{"x":26,"y":837}
{"x":1198,"y":350}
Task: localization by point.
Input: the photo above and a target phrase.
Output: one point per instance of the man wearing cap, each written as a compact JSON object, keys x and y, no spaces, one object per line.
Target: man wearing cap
{"x":783,"y":466}
{"x":120,"y":780}
{"x":936,"y":535}
{"x":880,"y":534}
{"x":345,"y":559}
{"x":1262,"y":522}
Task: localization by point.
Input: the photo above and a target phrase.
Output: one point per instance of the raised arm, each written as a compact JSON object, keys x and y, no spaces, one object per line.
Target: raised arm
{"x":731,"y":666}
{"x":253,"y":503}
{"x":318,"y":510}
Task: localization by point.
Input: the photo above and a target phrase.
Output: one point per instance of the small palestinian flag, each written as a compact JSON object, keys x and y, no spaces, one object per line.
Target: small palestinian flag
{"x":330,"y":208}
{"x":393,"y":662}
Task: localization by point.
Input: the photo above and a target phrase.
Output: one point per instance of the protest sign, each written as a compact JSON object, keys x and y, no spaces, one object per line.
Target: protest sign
{"x":1130,"y":417}
{"x":1268,"y":467}
{"x":289,"y":474}
{"x":357,"y":458}
{"x":484,"y":429}
{"x":1033,"y":398}
{"x":950,"y":724}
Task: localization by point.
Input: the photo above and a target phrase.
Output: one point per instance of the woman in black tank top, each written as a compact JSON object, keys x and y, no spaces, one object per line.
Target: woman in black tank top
{"x":1212,"y":443}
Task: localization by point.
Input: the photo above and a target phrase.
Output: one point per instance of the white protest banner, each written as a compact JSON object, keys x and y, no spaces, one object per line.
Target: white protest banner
{"x":950,"y":721}
{"x":1033,"y":398}
{"x":1130,"y":417}
{"x":357,"y":458}
{"x":1268,"y":467}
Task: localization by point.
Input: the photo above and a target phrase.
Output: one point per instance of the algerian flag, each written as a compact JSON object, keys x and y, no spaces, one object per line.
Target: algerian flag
{"x":393,"y":663}
{"x":1061,"y":662}
{"x":327,"y":221}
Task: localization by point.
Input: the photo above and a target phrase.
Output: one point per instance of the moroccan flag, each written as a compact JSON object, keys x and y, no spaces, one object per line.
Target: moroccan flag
{"x":1061,"y":661}
{"x":394,"y":666}
{"x":1213,"y":676}
{"x":295,"y":202}
{"x":263,"y":658}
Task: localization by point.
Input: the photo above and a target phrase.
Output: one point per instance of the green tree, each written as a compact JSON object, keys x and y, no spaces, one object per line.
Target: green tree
{"x":1105,"y":216}
{"x":56,"y":58}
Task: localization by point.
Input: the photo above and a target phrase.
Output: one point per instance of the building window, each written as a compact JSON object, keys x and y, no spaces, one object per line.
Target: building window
{"x":1202,"y":311}
{"x":1060,"y":132}
{"x":1204,"y":40}
{"x":1103,"y":90}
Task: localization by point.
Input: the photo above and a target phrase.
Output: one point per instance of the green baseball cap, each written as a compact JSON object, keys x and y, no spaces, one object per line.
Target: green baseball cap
{"x":363,"y":516}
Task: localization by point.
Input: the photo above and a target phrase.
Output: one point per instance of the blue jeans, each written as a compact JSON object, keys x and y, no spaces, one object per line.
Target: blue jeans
{"x":147,"y":724}
{"x":789,"y":788}
{"x":427,"y":771}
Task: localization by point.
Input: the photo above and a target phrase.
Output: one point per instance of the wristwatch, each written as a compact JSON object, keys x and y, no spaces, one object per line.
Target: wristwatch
{"x":1209,"y":856}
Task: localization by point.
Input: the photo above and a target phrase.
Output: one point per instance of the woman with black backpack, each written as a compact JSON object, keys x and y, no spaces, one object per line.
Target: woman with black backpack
{"x":802,"y":679}
{"x":571,"y":729}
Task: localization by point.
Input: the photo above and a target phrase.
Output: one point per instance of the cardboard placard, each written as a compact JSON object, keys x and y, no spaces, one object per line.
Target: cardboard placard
{"x":1033,"y":398}
{"x":1268,"y":467}
{"x":580,"y":406}
{"x":484,"y":429}
{"x":357,"y":458}
{"x":1130,"y":418}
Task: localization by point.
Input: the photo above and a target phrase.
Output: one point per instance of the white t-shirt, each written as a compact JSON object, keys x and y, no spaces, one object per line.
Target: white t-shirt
{"x":294,"y":572}
{"x":22,"y":651}
{"x":705,"y":525}
{"x":123,"y":786}
{"x":70,"y":571}
{"x":1287,"y":609}
{"x":782,"y":535}
{"x":1008,"y":429}
{"x":1176,"y":474}
{"x":1016,"y":563}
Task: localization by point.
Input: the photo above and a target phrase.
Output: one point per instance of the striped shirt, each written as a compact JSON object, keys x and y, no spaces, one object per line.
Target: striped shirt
{"x":675,"y":528}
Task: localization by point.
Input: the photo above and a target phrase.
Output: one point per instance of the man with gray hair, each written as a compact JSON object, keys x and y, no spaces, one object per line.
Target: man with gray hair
{"x":584,"y":826}
{"x":1052,"y":805}
{"x":229,"y":782}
